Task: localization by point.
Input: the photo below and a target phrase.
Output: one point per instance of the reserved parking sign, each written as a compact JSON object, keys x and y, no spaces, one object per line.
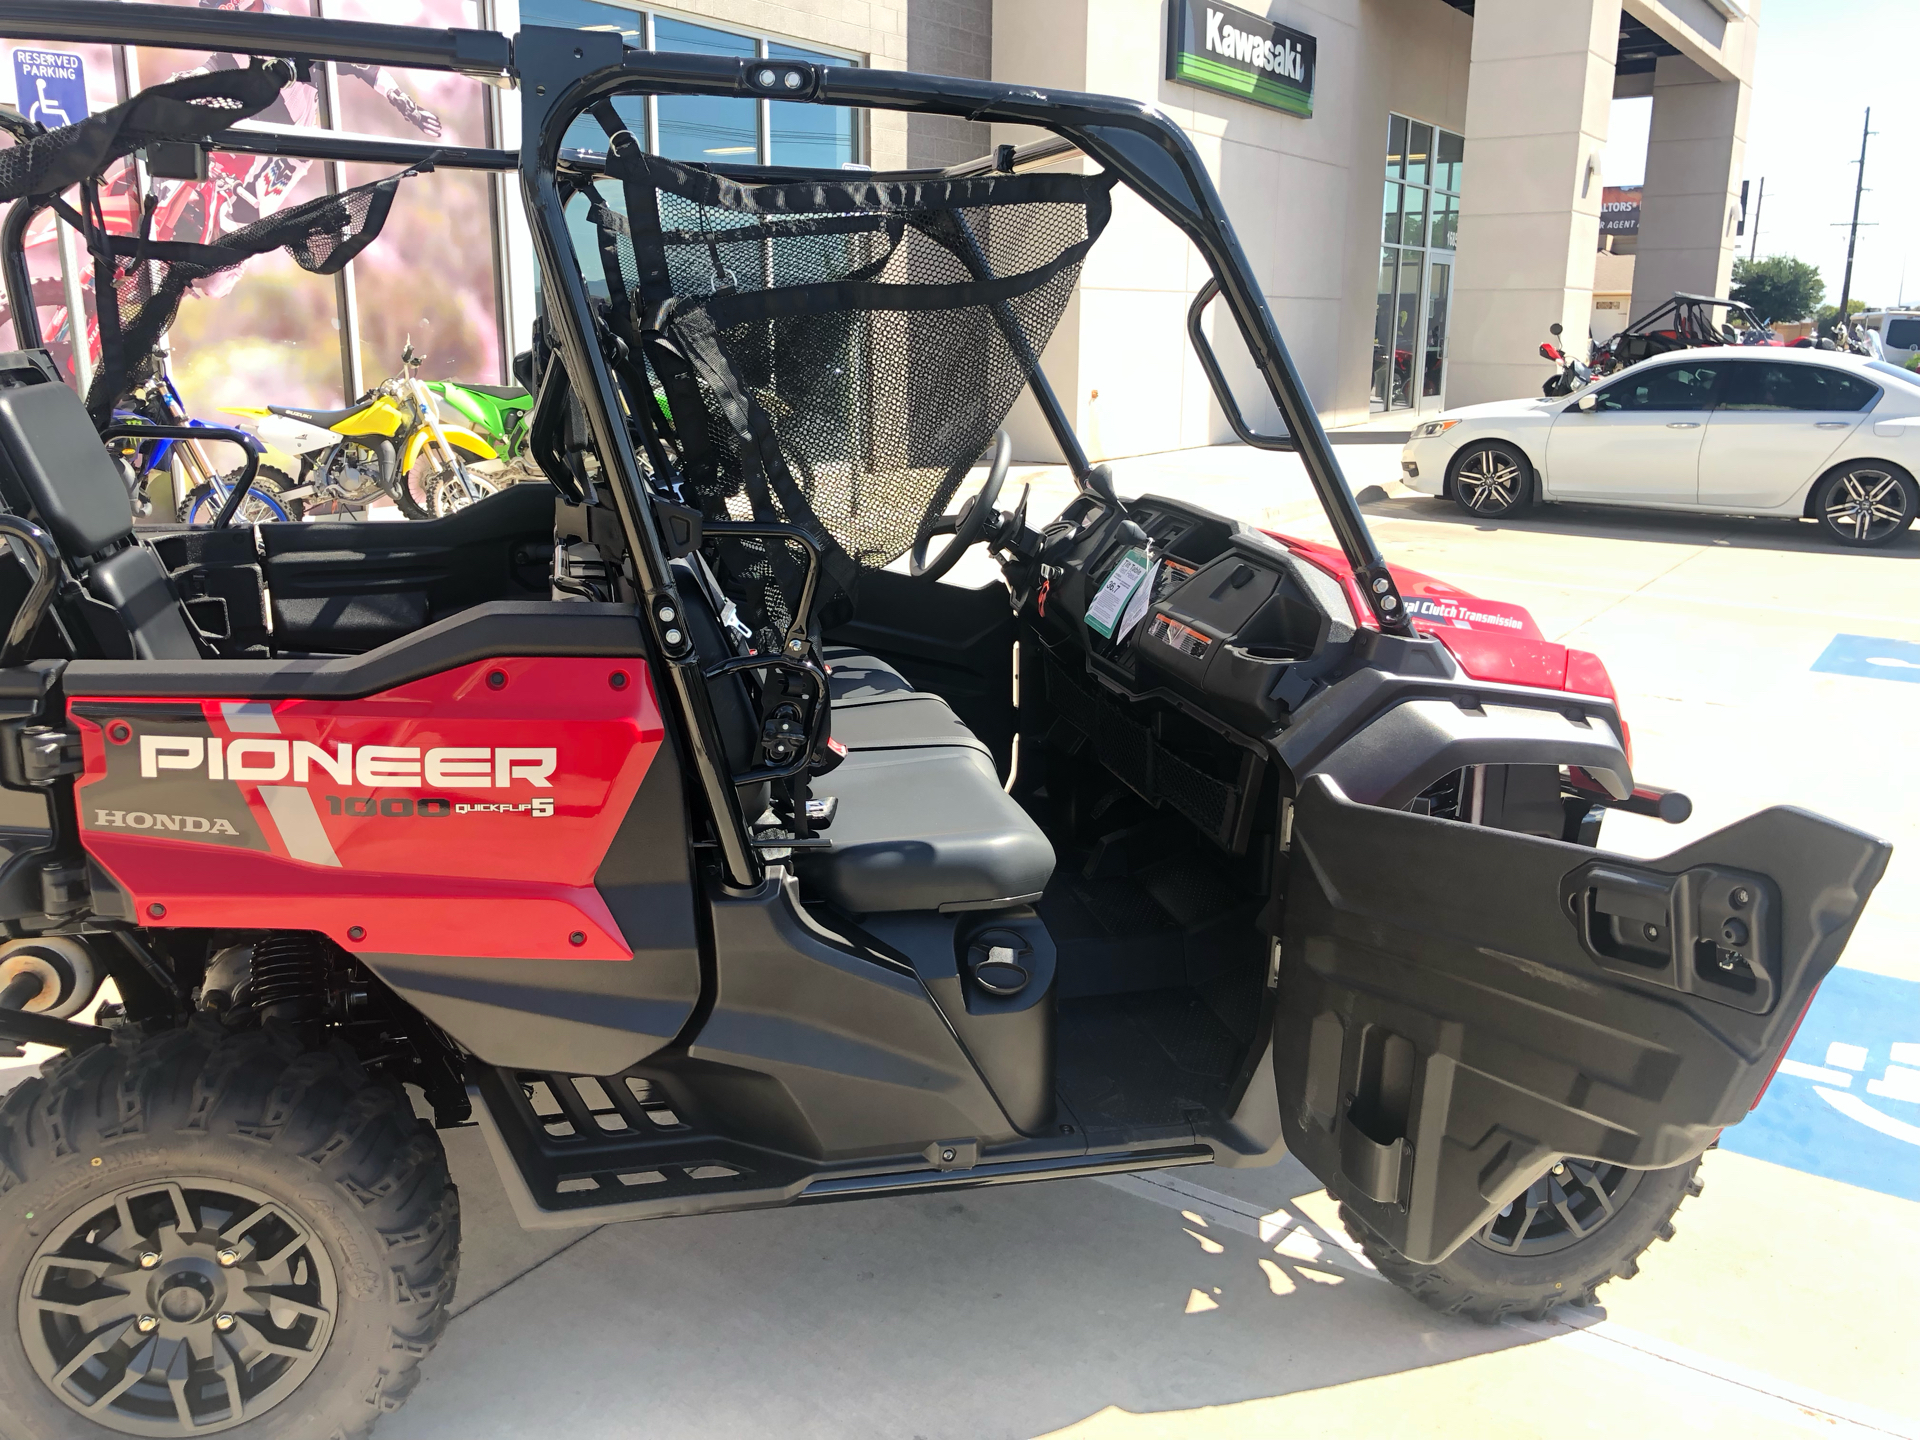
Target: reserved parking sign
{"x":51,"y":86}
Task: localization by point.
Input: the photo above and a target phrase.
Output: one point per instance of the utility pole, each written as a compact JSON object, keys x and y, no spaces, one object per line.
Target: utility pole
{"x":1758,"y":201}
{"x":1853,"y":230}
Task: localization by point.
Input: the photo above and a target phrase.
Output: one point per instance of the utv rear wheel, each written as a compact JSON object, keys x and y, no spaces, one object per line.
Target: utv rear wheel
{"x":1492,"y":480}
{"x":1579,"y":1226}
{"x":215,"y":1234}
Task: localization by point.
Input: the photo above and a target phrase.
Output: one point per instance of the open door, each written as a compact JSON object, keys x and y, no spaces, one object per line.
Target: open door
{"x":1461,"y":1006}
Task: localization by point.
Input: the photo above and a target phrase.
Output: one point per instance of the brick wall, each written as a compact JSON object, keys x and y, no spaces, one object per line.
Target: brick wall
{"x":948,"y":37}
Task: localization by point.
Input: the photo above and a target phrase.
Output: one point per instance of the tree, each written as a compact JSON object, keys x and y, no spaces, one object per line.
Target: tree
{"x":1779,"y":288}
{"x":1827,"y":316}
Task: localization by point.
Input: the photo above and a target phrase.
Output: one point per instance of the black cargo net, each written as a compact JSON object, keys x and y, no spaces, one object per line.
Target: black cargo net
{"x":45,"y":162}
{"x":834,"y":352}
{"x":138,"y":284}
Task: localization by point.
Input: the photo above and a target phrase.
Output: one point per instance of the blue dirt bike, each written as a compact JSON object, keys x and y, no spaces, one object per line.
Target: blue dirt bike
{"x":191,"y":488}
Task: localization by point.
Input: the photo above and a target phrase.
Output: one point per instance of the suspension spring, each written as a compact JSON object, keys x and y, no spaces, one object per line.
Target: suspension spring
{"x":289,"y":975}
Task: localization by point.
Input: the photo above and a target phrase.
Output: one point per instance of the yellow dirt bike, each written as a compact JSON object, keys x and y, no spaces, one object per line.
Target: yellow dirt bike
{"x":391,"y":444}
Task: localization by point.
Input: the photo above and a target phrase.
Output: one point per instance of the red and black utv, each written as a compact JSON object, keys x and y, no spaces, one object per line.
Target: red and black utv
{"x":1684,"y":322}
{"x":650,"y":822}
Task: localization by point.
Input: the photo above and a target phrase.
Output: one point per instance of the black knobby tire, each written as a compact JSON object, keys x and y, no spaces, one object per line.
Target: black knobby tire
{"x":365,"y":1209}
{"x":1865,"y":503}
{"x":1491,"y":480}
{"x":1487,"y":1284}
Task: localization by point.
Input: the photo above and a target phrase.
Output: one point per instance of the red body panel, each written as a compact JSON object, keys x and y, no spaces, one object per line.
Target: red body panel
{"x":474,"y":813}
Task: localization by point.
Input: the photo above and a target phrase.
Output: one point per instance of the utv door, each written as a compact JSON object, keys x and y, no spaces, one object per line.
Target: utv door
{"x":1460,"y":1006}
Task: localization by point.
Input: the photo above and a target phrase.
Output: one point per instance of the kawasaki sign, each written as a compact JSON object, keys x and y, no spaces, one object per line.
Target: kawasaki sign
{"x":1220,"y":47}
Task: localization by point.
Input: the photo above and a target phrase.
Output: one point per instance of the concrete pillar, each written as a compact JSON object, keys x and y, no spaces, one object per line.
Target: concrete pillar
{"x":1691,"y":200}
{"x":1538,"y":93}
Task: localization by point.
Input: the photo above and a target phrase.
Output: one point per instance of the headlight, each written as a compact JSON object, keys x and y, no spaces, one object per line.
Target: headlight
{"x":1433,"y":428}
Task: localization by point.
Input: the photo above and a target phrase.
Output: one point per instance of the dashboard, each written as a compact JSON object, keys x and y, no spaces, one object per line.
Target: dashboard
{"x":1216,"y":617}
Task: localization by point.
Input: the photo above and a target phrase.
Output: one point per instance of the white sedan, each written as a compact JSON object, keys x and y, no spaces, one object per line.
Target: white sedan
{"x":1736,"y":430}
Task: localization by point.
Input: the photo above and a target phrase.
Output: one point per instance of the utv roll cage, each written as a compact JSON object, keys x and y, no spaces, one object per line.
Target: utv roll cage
{"x":560,"y":75}
{"x":1681,"y":322}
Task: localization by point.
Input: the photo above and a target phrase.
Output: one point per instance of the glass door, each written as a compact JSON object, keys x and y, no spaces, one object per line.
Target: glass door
{"x":1419,"y":217}
{"x":1433,"y":356}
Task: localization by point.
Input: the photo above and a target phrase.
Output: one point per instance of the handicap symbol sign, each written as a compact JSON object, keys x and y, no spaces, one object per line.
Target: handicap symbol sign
{"x":50,"y":86}
{"x":1846,"y":1100}
{"x":1873,"y":656}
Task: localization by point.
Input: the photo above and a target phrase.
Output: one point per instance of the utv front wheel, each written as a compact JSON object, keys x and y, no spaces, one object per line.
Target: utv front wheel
{"x":214,"y":1234}
{"x":1582,"y":1224}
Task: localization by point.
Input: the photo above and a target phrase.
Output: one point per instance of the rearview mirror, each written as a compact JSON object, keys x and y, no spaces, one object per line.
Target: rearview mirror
{"x":1586,"y":403}
{"x":1554,"y":329}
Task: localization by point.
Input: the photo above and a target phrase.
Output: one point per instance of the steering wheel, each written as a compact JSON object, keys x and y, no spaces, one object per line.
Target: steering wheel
{"x":968,"y":526}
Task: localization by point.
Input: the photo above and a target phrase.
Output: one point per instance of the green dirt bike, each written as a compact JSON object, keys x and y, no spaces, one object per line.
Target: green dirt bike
{"x":502,"y":415}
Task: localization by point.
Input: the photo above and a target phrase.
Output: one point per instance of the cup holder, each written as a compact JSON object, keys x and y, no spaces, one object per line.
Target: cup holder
{"x":998,"y":960}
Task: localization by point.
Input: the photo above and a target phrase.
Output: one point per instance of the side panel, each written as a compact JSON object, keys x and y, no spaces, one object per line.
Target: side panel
{"x":462,"y":814}
{"x":583,"y":1019}
{"x":1459,"y":1006}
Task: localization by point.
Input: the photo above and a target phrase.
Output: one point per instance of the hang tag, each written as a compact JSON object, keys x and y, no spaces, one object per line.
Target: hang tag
{"x":1136,"y":610}
{"x":1122,"y":581}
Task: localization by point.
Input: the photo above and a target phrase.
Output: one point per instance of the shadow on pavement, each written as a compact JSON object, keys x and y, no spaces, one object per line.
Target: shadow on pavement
{"x":1010,"y":1312}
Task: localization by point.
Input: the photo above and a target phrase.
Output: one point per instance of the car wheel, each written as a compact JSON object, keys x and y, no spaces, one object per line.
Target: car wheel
{"x":1492,"y":480}
{"x":1578,"y":1226}
{"x":1865,"y":502}
{"x":218,"y":1233}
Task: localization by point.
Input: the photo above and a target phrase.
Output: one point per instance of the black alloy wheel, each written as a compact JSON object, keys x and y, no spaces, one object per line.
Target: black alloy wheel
{"x":1865,"y":502}
{"x":1492,"y":480}
{"x":210,"y":1232}
{"x":1560,"y":1209}
{"x":1580,"y":1225}
{"x":177,"y":1307}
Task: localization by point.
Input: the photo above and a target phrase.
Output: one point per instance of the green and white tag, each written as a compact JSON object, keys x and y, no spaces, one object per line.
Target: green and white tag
{"x":1103,"y":615}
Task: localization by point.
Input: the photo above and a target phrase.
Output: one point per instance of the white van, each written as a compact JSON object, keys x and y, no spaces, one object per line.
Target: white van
{"x":1899,"y":331}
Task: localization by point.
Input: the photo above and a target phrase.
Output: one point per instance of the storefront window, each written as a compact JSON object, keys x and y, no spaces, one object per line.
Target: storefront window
{"x":1448,"y":152}
{"x":409,"y":104}
{"x":1390,"y":213}
{"x":425,"y":281}
{"x":820,"y":137}
{"x":707,"y":129}
{"x":1383,"y":329}
{"x":1419,"y":224}
{"x":711,"y":130}
{"x":1414,"y":222}
{"x":1419,"y":152}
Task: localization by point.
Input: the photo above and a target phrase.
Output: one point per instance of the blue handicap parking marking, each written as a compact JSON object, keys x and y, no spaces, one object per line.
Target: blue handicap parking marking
{"x":1846,"y":1103}
{"x":1873,"y":656}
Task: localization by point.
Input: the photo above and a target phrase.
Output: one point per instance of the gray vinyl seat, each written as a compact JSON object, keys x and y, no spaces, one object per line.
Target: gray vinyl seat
{"x":922,"y":822}
{"x":858,"y":679}
{"x":925,"y":827}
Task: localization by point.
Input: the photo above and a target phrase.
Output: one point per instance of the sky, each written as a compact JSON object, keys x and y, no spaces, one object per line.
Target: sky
{"x":1816,"y":75}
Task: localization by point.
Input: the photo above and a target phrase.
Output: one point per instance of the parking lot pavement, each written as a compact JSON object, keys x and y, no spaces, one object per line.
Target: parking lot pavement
{"x":1221,"y":1303}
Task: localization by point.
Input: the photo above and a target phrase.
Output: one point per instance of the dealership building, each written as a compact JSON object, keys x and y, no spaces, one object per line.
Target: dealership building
{"x":1417,"y":184}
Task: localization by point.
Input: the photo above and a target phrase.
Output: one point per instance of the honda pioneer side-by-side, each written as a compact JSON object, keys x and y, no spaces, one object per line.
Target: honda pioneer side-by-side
{"x":671,"y":823}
